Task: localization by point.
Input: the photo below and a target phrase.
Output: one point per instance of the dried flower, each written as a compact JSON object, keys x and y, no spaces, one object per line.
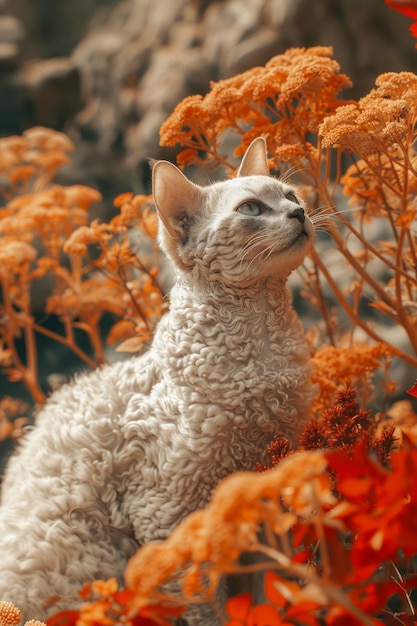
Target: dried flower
{"x":285,"y":101}
{"x":9,"y":614}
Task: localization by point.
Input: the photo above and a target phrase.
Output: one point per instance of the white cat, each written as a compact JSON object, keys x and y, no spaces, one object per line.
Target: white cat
{"x":120,"y":456}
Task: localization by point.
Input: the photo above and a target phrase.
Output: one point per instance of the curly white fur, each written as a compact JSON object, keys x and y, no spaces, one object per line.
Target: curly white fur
{"x":120,"y":456}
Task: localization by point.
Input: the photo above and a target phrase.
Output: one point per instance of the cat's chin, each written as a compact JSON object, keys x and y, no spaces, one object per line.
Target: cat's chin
{"x":303,"y":239}
{"x":292,"y":255}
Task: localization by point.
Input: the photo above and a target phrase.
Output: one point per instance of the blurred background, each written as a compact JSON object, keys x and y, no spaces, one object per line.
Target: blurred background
{"x":109,"y":72}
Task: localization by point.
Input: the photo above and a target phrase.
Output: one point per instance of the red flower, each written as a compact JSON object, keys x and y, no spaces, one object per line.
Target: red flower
{"x":242,"y":613}
{"x":278,"y":612}
{"x":382,"y":505}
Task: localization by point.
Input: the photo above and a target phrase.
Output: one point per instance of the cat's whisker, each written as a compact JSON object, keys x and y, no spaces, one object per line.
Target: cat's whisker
{"x":322,"y":211}
{"x":324,"y":221}
{"x":255,"y":241}
{"x":289,"y":173}
{"x":265,"y":253}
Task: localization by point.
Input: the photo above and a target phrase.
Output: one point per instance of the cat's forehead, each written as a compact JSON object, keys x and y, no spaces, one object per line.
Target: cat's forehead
{"x":244,"y":188}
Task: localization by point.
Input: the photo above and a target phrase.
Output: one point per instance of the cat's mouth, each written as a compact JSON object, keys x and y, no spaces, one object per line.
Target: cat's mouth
{"x":299,"y":240}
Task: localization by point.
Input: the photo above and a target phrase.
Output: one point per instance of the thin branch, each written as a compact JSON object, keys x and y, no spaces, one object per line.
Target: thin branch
{"x":354,"y":317}
{"x":327,"y":587}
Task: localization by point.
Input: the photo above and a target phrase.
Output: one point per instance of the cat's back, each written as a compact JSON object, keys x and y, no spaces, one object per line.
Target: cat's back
{"x":79,"y":426}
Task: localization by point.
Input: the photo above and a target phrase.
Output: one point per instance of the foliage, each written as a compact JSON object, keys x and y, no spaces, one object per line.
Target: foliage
{"x":336,"y":547}
{"x":328,"y":529}
{"x":100,"y":272}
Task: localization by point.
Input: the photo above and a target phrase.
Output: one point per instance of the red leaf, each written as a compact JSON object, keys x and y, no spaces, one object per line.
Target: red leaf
{"x":413,"y":390}
{"x":65,"y":618}
{"x":272,"y":591}
{"x":264,"y":615}
{"x":338,"y":616}
{"x":238,"y":607}
{"x":406,"y":8}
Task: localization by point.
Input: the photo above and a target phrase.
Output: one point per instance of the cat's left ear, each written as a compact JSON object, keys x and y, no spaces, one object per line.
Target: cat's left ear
{"x":176,"y":198}
{"x":255,"y":160}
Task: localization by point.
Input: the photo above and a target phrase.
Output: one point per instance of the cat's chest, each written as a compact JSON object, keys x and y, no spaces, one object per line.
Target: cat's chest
{"x":225,"y":362}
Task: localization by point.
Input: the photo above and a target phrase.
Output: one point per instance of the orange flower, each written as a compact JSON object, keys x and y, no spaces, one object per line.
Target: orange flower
{"x":15,"y":257}
{"x":285,"y":101}
{"x":335,"y":367}
{"x":9,"y":614}
{"x":123,"y":198}
{"x":259,"y":615}
{"x":81,"y":196}
{"x":379,"y":121}
{"x":47,"y":139}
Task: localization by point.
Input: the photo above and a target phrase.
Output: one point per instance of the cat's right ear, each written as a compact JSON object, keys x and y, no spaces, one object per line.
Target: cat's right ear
{"x":176,"y":198}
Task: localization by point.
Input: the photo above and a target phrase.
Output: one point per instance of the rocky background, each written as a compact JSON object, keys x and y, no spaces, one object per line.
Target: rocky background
{"x":109,"y":72}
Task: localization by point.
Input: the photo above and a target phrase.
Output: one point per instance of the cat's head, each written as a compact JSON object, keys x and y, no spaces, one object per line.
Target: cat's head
{"x":236,"y":231}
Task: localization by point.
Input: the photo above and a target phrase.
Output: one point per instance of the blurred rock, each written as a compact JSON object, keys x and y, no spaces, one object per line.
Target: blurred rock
{"x":53,"y":92}
{"x":11,"y":35}
{"x":129,"y":62}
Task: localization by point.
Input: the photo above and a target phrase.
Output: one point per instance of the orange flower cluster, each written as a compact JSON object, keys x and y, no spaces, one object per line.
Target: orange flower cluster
{"x":100,"y":274}
{"x":336,"y":367}
{"x":30,"y":162}
{"x":285,"y":101}
{"x":380,"y":129}
{"x":106,"y":605}
{"x":374,"y":512}
{"x":10,"y":616}
{"x":379,"y":122}
{"x":13,"y":417}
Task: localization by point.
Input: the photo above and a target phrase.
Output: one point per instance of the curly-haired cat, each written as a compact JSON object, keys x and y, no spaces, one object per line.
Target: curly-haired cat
{"x":121,"y":455}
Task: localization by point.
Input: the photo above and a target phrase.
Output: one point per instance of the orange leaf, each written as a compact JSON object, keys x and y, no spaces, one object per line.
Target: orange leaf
{"x":405,"y":219}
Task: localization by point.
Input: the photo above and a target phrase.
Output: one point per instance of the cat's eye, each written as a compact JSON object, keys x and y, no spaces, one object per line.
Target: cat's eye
{"x":292,"y":197}
{"x":250,"y":208}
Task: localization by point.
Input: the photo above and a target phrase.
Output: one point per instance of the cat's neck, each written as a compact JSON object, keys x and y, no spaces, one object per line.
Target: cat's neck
{"x":264,"y":295}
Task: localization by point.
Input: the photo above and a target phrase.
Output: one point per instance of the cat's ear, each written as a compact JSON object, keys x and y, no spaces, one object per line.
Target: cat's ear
{"x":255,"y":160}
{"x":176,"y":198}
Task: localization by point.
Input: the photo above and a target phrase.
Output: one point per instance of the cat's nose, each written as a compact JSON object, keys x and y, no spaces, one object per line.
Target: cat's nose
{"x":298,"y":213}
